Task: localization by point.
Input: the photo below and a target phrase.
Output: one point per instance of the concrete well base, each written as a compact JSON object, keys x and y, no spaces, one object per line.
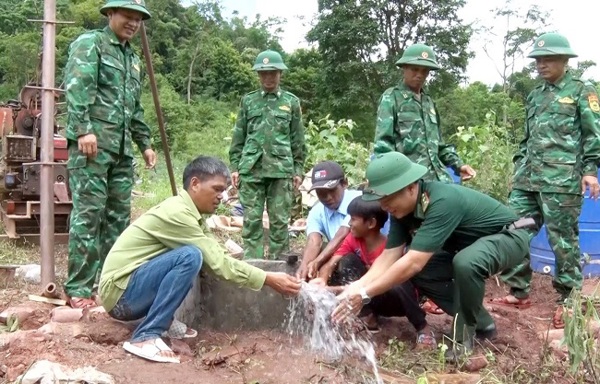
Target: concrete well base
{"x":220,"y":305}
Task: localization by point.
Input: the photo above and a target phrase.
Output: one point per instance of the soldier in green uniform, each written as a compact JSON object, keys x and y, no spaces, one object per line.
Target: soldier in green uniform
{"x":457,"y":237}
{"x":103,"y":86}
{"x":267,"y":157}
{"x":408,"y":121}
{"x":556,"y":161}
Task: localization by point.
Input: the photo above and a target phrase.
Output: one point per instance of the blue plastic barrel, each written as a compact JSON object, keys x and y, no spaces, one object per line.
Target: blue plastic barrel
{"x":542,"y":257}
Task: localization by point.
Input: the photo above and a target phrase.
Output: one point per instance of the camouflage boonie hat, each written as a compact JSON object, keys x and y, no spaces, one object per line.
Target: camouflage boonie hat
{"x":134,"y":5}
{"x":419,"y":54}
{"x":551,"y":44}
{"x":390,"y":172}
{"x":269,"y":61}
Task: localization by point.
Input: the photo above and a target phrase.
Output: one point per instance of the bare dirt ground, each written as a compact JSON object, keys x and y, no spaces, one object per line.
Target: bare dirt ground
{"x":518,"y":355}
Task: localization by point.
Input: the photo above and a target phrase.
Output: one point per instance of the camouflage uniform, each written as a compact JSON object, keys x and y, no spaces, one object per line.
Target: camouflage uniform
{"x":561,"y":144}
{"x":268,"y":150}
{"x":103,"y":85}
{"x":410,"y":124}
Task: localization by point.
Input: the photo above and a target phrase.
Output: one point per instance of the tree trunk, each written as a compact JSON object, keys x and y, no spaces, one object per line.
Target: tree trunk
{"x":189,"y":84}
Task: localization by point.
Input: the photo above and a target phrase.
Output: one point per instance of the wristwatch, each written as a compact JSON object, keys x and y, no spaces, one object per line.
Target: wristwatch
{"x":365,"y":298}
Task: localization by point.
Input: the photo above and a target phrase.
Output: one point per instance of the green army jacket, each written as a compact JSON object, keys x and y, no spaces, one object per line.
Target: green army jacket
{"x":450,"y":217}
{"x":562,"y":137}
{"x":411,"y":126}
{"x":268,"y":137}
{"x":103,"y":88}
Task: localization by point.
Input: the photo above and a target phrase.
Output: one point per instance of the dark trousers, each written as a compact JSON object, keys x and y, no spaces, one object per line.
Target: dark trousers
{"x":399,"y":301}
{"x":456,"y":282}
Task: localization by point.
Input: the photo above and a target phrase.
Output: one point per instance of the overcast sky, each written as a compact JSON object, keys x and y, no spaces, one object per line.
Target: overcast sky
{"x":576,"y":19}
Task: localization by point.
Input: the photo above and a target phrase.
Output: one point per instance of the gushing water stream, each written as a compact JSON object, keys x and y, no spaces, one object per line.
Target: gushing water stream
{"x":310,"y":318}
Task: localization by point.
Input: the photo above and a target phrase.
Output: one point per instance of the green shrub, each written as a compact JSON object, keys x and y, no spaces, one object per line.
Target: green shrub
{"x":489,"y":149}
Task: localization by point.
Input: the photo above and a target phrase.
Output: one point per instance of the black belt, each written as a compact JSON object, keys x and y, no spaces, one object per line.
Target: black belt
{"x":527,"y":223}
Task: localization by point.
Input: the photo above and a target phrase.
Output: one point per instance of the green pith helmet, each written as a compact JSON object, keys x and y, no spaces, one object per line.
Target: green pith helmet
{"x":134,"y":5}
{"x":269,"y":61}
{"x":419,"y":54}
{"x":551,"y":44}
{"x":390,"y":172}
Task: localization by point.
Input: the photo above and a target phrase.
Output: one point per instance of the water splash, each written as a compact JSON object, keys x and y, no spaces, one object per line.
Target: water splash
{"x":310,"y":319}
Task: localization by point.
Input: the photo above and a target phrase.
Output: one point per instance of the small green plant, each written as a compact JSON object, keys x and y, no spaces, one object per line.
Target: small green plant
{"x":489,"y":149}
{"x":441,"y":356}
{"x":12,"y":324}
{"x":333,"y":140}
{"x":581,"y":328}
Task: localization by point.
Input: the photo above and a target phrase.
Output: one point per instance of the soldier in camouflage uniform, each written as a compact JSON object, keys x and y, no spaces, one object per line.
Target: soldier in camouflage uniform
{"x":556,"y":161}
{"x":267,"y":157}
{"x":103,"y":86}
{"x":408,"y":121}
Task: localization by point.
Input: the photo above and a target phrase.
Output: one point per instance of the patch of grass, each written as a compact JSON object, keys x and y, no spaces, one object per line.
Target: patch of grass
{"x":581,"y":332}
{"x":13,"y":253}
{"x":155,"y":184}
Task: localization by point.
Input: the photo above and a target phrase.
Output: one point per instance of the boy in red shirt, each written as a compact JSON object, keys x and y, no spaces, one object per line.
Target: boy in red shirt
{"x":355,"y":256}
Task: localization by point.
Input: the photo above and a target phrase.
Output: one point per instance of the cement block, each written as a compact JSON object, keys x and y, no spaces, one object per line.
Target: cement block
{"x":220,"y":305}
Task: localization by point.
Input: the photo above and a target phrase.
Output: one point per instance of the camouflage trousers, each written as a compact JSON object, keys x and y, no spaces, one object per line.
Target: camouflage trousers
{"x":277,"y":193}
{"x":560,"y":212}
{"x":101,"y":192}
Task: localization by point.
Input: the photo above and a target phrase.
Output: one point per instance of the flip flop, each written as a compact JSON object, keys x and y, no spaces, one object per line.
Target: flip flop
{"x":179,"y":330}
{"x":430,"y":307}
{"x":151,"y":351}
{"x":82,"y":302}
{"x":519,"y":304}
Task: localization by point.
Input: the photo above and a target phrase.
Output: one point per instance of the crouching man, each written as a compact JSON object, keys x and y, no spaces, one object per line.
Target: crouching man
{"x":457,"y":238}
{"x":153,"y":264}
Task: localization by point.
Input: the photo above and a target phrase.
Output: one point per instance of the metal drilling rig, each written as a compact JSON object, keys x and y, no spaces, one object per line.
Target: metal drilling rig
{"x":20,"y":168}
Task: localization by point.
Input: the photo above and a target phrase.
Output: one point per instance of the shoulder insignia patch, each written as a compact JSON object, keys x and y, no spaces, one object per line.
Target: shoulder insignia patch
{"x":566,"y":100}
{"x":285,"y":108}
{"x":594,"y":104}
{"x":424,"y":201}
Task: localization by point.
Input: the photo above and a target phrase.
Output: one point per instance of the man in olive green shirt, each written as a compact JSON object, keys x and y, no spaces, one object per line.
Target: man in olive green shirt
{"x":152,"y":266}
{"x":457,"y":237}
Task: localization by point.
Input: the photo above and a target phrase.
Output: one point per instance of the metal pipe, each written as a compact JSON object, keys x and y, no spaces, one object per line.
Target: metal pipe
{"x":50,"y":291}
{"x":159,"y":115}
{"x":47,"y":145}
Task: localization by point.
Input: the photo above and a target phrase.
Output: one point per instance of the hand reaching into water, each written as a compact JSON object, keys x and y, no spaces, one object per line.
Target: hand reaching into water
{"x":283,"y":283}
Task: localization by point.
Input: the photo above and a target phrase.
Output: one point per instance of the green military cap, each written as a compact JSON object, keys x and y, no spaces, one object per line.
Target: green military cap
{"x":419,"y":54}
{"x":269,"y":61}
{"x":551,"y":44}
{"x":134,"y":5}
{"x":390,"y":172}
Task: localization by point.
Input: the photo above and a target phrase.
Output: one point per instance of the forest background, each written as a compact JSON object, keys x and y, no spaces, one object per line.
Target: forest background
{"x":203,"y":61}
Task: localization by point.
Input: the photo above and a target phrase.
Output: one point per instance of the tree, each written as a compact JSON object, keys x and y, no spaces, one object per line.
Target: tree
{"x":361,"y":40}
{"x":470,"y":106}
{"x":303,"y":79}
{"x":582,"y":66}
{"x":521,"y":28}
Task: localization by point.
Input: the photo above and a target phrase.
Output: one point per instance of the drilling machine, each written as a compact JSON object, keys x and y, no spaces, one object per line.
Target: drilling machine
{"x":20,"y":125}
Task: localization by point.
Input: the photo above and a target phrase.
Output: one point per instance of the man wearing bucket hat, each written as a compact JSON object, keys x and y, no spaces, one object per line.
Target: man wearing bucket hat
{"x":457,"y":237}
{"x":104,"y":116}
{"x":267,"y":156}
{"x":556,"y":162}
{"x":408,"y":121}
